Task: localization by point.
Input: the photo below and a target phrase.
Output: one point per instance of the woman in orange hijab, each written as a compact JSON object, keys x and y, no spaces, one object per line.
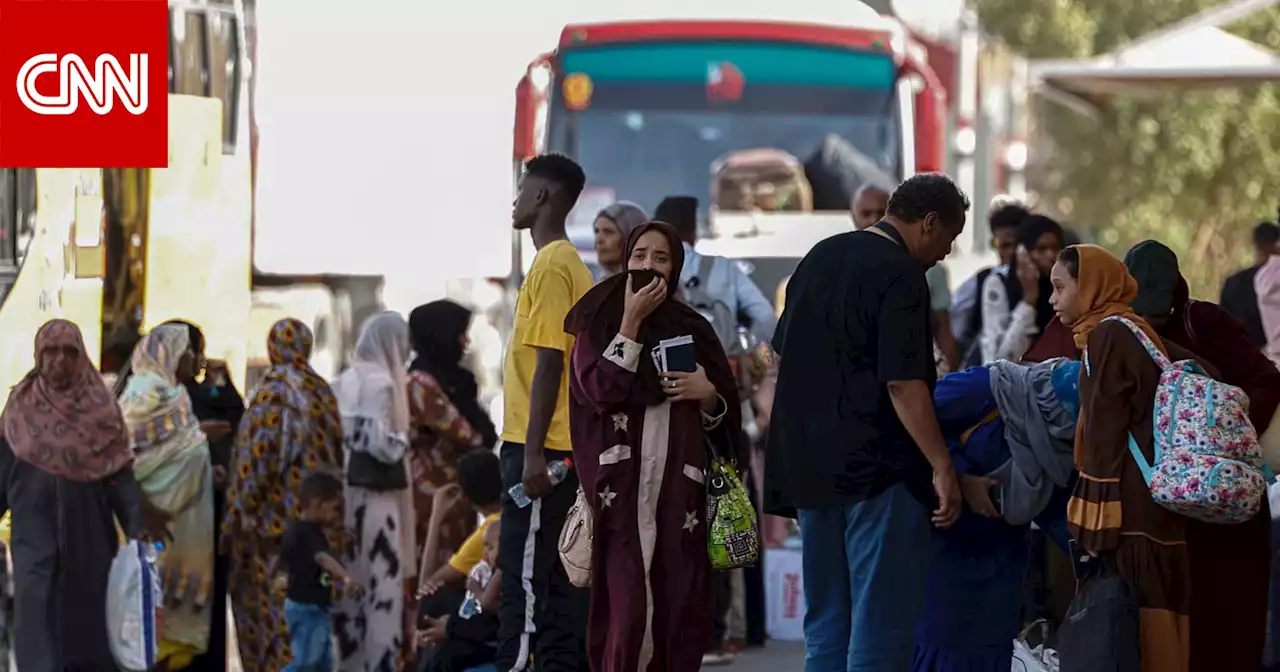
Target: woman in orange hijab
{"x":1111,"y":514}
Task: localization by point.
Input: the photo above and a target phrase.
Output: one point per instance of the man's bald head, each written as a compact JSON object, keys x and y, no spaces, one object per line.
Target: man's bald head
{"x":869,"y":204}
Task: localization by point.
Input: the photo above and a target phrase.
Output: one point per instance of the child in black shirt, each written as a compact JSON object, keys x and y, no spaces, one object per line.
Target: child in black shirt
{"x":312,"y":574}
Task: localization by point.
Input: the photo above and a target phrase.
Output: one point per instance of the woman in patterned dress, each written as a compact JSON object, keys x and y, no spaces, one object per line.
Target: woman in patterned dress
{"x":66,"y":471}
{"x":447,"y":420}
{"x":172,"y":464}
{"x":372,"y":398}
{"x":291,"y":430}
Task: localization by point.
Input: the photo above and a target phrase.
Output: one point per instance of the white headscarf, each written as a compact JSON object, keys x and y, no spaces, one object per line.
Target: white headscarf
{"x":379,"y":360}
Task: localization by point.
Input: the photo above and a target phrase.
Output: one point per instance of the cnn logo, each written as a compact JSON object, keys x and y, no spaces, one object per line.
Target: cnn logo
{"x":99,"y":87}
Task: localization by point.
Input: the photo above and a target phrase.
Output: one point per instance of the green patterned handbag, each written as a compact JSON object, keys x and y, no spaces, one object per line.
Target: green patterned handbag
{"x":733,"y":536}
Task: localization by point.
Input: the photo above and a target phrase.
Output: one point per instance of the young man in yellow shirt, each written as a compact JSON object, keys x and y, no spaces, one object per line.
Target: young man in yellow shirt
{"x":542,"y":615}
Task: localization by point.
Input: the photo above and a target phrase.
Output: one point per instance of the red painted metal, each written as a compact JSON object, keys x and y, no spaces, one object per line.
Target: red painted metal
{"x":528,"y":100}
{"x":523,"y":145}
{"x":931,"y":110}
{"x":645,"y":31}
{"x":942,"y":59}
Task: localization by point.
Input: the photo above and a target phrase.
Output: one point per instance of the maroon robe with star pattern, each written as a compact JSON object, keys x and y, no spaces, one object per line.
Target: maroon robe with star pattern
{"x":642,"y":470}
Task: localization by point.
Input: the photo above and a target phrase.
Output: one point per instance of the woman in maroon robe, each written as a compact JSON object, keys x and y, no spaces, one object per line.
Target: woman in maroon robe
{"x":1055,"y":341}
{"x":640,"y":446}
{"x":1214,"y":335}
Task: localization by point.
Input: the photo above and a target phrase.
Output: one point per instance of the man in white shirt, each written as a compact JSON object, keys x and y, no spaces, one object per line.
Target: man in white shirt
{"x":725,"y":281}
{"x":966,"y":304}
{"x":1011,"y":324}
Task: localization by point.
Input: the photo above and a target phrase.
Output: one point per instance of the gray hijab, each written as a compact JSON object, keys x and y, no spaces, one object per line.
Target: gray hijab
{"x":1040,"y":430}
{"x":627,"y":216}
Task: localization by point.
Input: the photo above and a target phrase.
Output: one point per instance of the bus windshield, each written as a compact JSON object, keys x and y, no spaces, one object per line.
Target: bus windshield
{"x":641,"y":138}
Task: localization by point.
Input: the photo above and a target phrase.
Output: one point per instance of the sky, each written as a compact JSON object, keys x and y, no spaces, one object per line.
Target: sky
{"x":386,"y":132}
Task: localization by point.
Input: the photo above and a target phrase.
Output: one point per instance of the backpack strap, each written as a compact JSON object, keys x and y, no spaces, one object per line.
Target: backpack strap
{"x":989,"y":418}
{"x":1143,"y":465}
{"x":705,"y":264}
{"x":973,"y":326}
{"x":1012,"y":288}
{"x":1159,"y":357}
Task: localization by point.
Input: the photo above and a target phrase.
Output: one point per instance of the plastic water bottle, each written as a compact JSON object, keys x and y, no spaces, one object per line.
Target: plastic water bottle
{"x":556,"y":471}
{"x":471,"y":604}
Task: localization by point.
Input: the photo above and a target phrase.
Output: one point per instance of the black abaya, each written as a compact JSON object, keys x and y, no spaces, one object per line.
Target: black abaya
{"x":217,"y":403}
{"x":63,"y":539}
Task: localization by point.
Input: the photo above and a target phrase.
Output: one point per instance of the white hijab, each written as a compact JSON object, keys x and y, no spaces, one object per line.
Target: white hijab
{"x":379,"y":361}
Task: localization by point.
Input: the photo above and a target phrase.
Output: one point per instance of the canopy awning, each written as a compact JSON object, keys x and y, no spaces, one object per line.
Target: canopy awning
{"x":1193,"y":55}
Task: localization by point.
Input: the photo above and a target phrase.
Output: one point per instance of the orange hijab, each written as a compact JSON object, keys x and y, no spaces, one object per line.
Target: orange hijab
{"x":1106,"y":289}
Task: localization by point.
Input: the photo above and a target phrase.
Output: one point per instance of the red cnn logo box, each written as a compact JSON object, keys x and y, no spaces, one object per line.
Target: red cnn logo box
{"x":84,"y":83}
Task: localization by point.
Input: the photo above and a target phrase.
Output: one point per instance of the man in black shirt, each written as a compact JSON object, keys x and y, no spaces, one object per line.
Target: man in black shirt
{"x":312,"y":574}
{"x":854,"y":448}
{"x":1238,"y":295}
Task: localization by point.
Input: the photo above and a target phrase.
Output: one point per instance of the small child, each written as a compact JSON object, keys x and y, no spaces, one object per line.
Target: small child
{"x":468,"y":639}
{"x":481,"y":575}
{"x":480,"y":485}
{"x":312,"y":573}
{"x":463,"y":636}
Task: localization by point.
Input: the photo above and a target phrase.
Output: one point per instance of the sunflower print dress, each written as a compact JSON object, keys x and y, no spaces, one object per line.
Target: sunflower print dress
{"x":291,"y":430}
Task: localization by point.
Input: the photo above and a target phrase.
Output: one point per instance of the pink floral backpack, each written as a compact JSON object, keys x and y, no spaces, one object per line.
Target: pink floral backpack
{"x":1208,"y":464}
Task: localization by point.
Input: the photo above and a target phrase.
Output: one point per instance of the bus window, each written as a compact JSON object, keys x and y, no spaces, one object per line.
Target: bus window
{"x":17,"y":222}
{"x":192,"y":57}
{"x":224,"y":71}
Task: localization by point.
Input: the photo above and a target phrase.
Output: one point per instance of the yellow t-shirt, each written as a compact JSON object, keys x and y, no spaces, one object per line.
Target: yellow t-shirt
{"x":472,"y":550}
{"x":556,"y":281}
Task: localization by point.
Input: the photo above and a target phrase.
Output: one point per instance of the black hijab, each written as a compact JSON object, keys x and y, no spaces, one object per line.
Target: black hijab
{"x":1161,"y":288}
{"x":597,"y":317}
{"x":436,"y":330}
{"x":681,"y":212}
{"x":1029,"y":232}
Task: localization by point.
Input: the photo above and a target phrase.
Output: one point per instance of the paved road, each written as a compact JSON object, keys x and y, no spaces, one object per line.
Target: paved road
{"x":776,"y":657}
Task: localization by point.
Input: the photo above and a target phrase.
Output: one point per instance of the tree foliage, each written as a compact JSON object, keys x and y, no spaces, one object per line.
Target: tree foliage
{"x":1194,"y":169}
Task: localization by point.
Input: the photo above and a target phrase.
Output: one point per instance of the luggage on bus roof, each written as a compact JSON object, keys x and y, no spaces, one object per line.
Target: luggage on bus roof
{"x":836,"y":170}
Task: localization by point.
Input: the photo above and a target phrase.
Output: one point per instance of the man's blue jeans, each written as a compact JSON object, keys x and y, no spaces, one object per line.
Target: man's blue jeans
{"x":310,"y":637}
{"x":864,"y":572}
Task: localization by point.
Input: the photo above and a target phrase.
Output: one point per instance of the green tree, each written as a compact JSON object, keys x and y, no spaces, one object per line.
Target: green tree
{"x":1194,"y":169}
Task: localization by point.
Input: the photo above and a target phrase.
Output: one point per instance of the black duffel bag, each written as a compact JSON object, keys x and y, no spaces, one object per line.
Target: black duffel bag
{"x":1100,"y":632}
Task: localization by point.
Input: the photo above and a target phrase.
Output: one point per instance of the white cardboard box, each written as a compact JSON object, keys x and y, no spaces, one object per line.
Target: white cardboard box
{"x":784,"y":594}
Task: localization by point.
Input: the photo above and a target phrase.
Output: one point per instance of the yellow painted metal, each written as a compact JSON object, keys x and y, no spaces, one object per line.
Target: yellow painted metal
{"x":46,"y":287}
{"x":198,"y":249}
